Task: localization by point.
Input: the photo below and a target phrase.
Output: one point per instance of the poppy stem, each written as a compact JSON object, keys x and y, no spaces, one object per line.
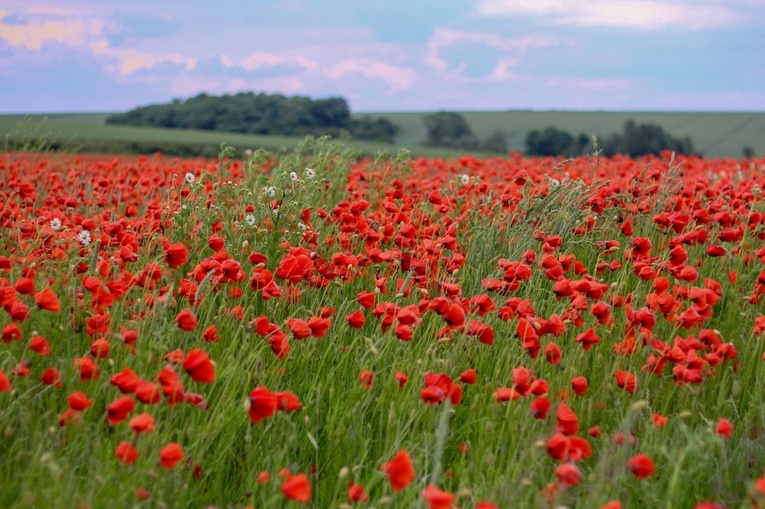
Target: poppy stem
{"x":442,"y":430}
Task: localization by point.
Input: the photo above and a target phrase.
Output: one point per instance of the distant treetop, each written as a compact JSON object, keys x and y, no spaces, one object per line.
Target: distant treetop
{"x":261,"y":113}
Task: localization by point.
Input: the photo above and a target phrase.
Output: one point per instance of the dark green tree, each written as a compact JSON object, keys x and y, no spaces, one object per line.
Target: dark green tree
{"x":450,"y":130}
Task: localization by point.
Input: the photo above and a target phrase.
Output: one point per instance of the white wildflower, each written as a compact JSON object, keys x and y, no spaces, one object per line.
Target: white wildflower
{"x":84,"y":237}
{"x":270,"y":191}
{"x":554,"y":182}
{"x":250,"y":219}
{"x":248,"y":153}
{"x":302,"y":225}
{"x":55,"y":223}
{"x":310,"y":173}
{"x":190,"y":178}
{"x":293,"y":175}
{"x":465,"y":179}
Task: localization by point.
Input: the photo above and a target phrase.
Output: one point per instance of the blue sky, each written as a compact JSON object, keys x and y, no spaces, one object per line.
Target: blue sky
{"x":397,"y":55}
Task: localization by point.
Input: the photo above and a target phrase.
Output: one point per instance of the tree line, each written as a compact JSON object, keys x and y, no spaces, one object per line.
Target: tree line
{"x":261,"y":113}
{"x":451,"y":130}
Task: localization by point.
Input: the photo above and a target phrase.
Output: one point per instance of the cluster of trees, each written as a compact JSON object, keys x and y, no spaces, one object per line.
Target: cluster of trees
{"x":261,"y":113}
{"x":450,"y":130}
{"x":634,"y":140}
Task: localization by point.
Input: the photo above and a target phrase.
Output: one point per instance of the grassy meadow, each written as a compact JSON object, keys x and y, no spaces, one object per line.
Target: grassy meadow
{"x":313,"y":329}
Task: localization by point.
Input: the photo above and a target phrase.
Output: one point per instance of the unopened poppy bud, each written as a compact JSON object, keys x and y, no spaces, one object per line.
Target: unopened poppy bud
{"x":343,"y":473}
{"x":385,"y":500}
{"x":685,"y":414}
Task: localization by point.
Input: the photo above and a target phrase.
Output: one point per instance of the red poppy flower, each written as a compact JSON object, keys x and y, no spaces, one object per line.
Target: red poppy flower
{"x":568,"y":474}
{"x":39,"y":345}
{"x":126,"y":381}
{"x":587,"y":339}
{"x":88,"y":369}
{"x":262,"y":404}
{"x":580,"y":385}
{"x":126,"y":452}
{"x":142,"y":423}
{"x":469,"y":376}
{"x":319,"y":326}
{"x":367,"y":378}
{"x":297,"y":487}
{"x":199,"y":366}
{"x":5,"y":384}
{"x":299,"y":328}
{"x":400,"y":470}
{"x":48,"y":301}
{"x":287,"y":401}
{"x":641,"y":466}
{"x":147,"y":392}
{"x":724,"y":428}
{"x":356,"y":493}
{"x":357,"y":319}
{"x":211,"y":334}
{"x":186,"y":320}
{"x":401,"y":378}
{"x":79,"y":401}
{"x":436,"y":498}
{"x":171,"y":454}
{"x":51,"y":376}
{"x":568,"y":422}
{"x":119,"y":409}
{"x":176,"y":255}
{"x":626,"y":381}
{"x":11,"y":332}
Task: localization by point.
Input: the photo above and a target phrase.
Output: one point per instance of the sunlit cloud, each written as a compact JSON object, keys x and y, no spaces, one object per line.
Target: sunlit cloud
{"x":397,"y":78}
{"x":34,"y":35}
{"x":634,"y":14}
{"x":131,"y":60}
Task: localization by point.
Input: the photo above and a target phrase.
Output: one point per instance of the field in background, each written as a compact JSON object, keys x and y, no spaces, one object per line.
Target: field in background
{"x":715,"y":134}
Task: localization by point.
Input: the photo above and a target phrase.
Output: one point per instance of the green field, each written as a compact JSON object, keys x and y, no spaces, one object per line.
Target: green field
{"x":715,"y":134}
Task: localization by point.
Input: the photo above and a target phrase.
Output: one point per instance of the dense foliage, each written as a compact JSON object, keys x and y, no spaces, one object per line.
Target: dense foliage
{"x":260,"y":114}
{"x":634,"y":140}
{"x":448,"y":129}
{"x":342,"y":332}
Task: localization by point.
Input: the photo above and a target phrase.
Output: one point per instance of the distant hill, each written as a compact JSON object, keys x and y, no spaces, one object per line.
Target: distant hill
{"x":715,"y":134}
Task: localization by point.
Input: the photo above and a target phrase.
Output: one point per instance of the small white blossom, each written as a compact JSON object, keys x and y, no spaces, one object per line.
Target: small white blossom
{"x":248,"y":153}
{"x":190,"y":178}
{"x":250,"y":219}
{"x":293,"y":175}
{"x":84,"y":237}
{"x":310,"y":173}
{"x":554,"y":182}
{"x":270,"y":191}
{"x":465,"y":179}
{"x":55,"y":223}
{"x":275,"y":210}
{"x":302,"y":225}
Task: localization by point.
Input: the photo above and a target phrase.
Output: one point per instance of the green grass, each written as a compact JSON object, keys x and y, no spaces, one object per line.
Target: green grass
{"x":715,"y":134}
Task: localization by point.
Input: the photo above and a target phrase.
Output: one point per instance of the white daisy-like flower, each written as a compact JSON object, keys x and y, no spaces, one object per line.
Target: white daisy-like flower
{"x":293,"y":175}
{"x":310,"y":173}
{"x":84,"y":237}
{"x":55,"y":223}
{"x":554,"y":182}
{"x":302,"y":225}
{"x":190,"y":178}
{"x":270,"y":191}
{"x":465,"y":179}
{"x":250,"y":219}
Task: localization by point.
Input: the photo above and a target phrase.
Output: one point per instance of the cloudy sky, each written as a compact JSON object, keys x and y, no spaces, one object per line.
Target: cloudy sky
{"x":392,"y":55}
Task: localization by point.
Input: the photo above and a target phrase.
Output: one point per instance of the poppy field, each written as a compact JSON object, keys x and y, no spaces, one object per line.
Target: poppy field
{"x":323,"y":330}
